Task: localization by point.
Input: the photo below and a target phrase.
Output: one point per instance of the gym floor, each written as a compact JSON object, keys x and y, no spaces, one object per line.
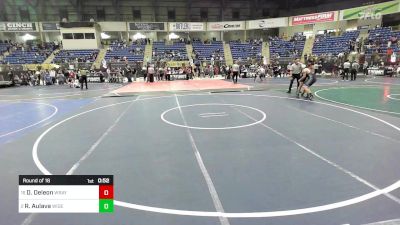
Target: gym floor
{"x":247,"y":155}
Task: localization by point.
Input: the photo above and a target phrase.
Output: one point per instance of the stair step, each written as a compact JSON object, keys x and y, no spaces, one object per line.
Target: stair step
{"x":228,"y":54}
{"x":51,"y":57}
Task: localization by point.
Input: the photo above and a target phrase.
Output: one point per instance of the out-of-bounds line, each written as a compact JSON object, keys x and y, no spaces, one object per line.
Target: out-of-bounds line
{"x":386,"y":222}
{"x":32,"y":216}
{"x":28,"y":220}
{"x":391,"y":97}
{"x":280,"y":213}
{"x":376,"y":82}
{"x":344,"y":170}
{"x":347,"y":125}
{"x":360,"y":107}
{"x":211,"y":188}
{"x":94,"y":146}
{"x":36,"y":144}
{"x":73,"y":93}
{"x":262,"y":214}
{"x":52,"y":97}
{"x":34,"y":124}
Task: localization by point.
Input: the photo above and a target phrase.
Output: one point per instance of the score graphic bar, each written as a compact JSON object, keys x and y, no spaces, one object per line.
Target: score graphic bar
{"x":66,"y":194}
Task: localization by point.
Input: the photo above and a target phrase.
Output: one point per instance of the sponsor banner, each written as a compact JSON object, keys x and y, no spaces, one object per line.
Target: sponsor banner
{"x":312,"y":18}
{"x":364,"y":27}
{"x":50,"y":26}
{"x":268,"y":23}
{"x":17,"y":26}
{"x":147,"y":26}
{"x":370,"y":11}
{"x":230,"y":25}
{"x":186,"y":26}
{"x":94,"y":79}
{"x":177,"y":63}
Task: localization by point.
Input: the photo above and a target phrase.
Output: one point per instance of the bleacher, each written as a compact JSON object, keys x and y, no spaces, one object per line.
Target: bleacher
{"x":66,"y":56}
{"x":176,"y":51}
{"x":282,"y":48}
{"x":325,"y":44}
{"x":3,"y":47}
{"x":379,"y":37}
{"x":205,"y":51}
{"x":245,"y":50}
{"x":33,"y":55}
{"x":132,"y":53}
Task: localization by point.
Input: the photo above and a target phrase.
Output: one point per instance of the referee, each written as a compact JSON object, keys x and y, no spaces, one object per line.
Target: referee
{"x":296,"y":69}
{"x":235,"y":72}
{"x":83,"y":78}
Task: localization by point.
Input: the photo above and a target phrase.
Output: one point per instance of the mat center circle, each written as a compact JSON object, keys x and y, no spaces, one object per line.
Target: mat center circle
{"x":213,"y":116}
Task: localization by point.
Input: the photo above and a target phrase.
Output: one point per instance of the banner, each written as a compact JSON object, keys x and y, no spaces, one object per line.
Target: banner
{"x":268,"y":23}
{"x":147,"y":26}
{"x":50,"y":26}
{"x":17,"y":26}
{"x":177,"y":63}
{"x":230,"y":25}
{"x":312,"y":18}
{"x":186,"y":26}
{"x":370,"y":11}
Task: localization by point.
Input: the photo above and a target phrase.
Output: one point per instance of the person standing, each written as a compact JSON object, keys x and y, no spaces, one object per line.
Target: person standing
{"x":211,"y":71}
{"x":168,"y":73}
{"x":354,"y":70}
{"x":71,"y":78}
{"x":53,"y":75}
{"x":295,"y":71}
{"x":365,"y":67}
{"x":235,"y":72}
{"x":346,"y":67}
{"x":150,"y":71}
{"x":189,"y":72}
{"x":37,"y":77}
{"x":288,"y":69}
{"x":83,"y":78}
{"x":144,"y":71}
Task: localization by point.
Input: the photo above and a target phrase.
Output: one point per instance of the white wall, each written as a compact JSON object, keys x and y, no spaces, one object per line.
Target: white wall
{"x":51,"y":36}
{"x":209,"y":35}
{"x":113,"y":26}
{"x":81,"y":43}
{"x":262,"y":33}
{"x":343,"y":25}
{"x":18,"y":36}
{"x":149,"y":34}
{"x":290,"y":31}
{"x":7,"y":36}
{"x":234,"y":35}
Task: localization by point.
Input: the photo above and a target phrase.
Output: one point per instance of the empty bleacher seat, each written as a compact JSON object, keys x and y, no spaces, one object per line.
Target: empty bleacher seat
{"x":325,"y":44}
{"x":378,"y":39}
{"x":131,"y":53}
{"x":245,"y":50}
{"x":175,"y":51}
{"x":72,"y":55}
{"x":283,"y":48}
{"x":206,"y":51}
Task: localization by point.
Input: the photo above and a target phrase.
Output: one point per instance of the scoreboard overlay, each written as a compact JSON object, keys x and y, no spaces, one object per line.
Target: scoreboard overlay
{"x":66,"y":194}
